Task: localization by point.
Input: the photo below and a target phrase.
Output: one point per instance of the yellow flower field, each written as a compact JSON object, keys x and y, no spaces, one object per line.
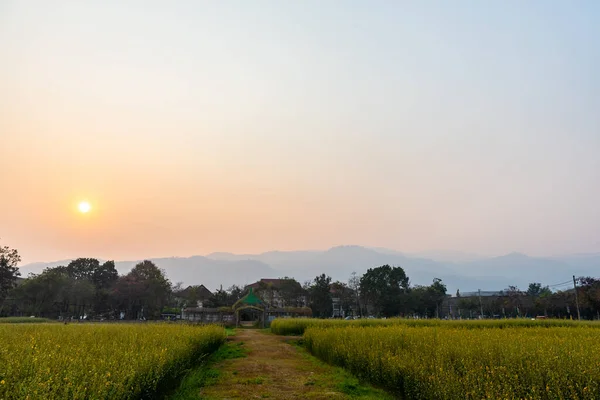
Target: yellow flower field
{"x":446,"y":362}
{"x":108,"y":361}
{"x":297,"y":326}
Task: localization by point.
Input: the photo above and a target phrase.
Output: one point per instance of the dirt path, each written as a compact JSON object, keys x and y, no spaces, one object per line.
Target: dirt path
{"x":277,"y":370}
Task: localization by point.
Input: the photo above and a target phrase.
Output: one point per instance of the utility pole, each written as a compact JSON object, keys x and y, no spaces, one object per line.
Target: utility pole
{"x":480,"y":305}
{"x":576,"y":299}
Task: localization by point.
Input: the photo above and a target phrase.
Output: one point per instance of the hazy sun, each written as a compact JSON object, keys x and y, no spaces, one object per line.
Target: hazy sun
{"x":84,"y":207}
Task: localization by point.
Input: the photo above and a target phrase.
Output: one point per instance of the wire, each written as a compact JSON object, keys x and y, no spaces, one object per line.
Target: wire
{"x":561,"y":284}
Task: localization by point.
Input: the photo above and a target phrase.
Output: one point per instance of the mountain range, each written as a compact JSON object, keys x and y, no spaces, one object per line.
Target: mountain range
{"x":467,"y":272}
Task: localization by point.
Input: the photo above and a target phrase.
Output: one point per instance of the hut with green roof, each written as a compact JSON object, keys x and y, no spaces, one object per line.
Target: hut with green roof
{"x":252,"y":303}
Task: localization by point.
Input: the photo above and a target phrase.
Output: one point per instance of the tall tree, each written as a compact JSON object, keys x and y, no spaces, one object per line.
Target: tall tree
{"x":419,"y":302}
{"x":89,"y":276}
{"x":104,"y":277}
{"x":513,"y":301}
{"x":291,"y":292}
{"x":220,"y":298}
{"x":9,"y":258}
{"x":144,"y":291}
{"x":536,"y":289}
{"x":437,"y":294}
{"x":81,"y":296}
{"x":345,"y":296}
{"x":467,"y":306}
{"x":590,"y":290}
{"x":385,"y":288}
{"x":82,"y":268}
{"x":128,"y":295}
{"x":235,"y":293}
{"x":45,"y":294}
{"x":354,"y":285}
{"x":266,"y":292}
{"x":320,"y":297}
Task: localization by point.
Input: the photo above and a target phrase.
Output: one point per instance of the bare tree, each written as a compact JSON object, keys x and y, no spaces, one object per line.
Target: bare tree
{"x":354,"y":285}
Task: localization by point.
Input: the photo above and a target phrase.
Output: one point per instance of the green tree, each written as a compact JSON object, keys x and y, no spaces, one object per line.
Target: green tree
{"x":81,"y":295}
{"x":45,"y":294}
{"x":266,"y":292}
{"x":103,"y":277}
{"x":437,"y":294}
{"x":513,"y":301}
{"x":536,"y":289}
{"x":235,"y":293}
{"x":143,"y":292}
{"x":427,"y":301}
{"x":82,"y":268}
{"x":9,"y":258}
{"x":385,"y":289}
{"x":128,"y":296}
{"x":291,"y":292}
{"x":590,"y":289}
{"x":320,"y":297}
{"x":468,"y":304}
{"x":220,"y":298}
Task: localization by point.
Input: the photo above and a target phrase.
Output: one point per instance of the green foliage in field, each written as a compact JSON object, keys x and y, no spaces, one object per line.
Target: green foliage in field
{"x":297,"y":326}
{"x":108,"y":361}
{"x":206,"y":374}
{"x":339,"y":379}
{"x":443,"y":362}
{"x":24,"y":320}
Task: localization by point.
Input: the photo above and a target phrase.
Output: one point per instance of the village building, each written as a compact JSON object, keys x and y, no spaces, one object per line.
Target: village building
{"x":343,"y":300}
{"x":262,"y":302}
{"x":195,"y":300}
{"x":280,"y":293}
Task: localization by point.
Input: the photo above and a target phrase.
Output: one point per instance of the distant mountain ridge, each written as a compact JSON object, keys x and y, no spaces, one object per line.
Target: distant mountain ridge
{"x":472,"y":273}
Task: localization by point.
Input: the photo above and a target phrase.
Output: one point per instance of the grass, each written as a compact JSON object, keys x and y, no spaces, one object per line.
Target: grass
{"x":207,"y":373}
{"x":277,"y":370}
{"x":252,"y":381}
{"x":229,"y":331}
{"x":338,"y":378}
{"x":24,"y":320}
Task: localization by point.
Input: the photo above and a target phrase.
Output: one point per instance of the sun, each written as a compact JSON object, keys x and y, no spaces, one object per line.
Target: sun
{"x":84,"y":207}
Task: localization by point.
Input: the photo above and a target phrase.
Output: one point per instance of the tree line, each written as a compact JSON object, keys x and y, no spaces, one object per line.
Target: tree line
{"x":87,"y":287}
{"x":536,"y":300}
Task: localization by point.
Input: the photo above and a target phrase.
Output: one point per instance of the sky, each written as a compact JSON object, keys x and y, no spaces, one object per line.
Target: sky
{"x":248,"y":126}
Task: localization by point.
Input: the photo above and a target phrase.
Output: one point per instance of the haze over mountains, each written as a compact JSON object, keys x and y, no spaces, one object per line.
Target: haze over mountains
{"x":458,"y":271}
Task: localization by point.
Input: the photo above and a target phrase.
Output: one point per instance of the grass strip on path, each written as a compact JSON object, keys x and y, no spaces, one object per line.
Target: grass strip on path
{"x":257,"y":365}
{"x":207,"y":373}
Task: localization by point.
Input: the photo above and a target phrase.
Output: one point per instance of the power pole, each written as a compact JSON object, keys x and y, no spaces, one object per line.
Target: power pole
{"x":480,"y":305}
{"x":576,"y":299}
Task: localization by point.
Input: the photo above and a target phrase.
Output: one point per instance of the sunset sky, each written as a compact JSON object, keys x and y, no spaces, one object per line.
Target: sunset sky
{"x":247,"y":126}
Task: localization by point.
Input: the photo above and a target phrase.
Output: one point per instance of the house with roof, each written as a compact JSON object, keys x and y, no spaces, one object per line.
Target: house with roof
{"x":280,"y":293}
{"x":280,"y":298}
{"x":262,"y":302}
{"x":195,"y":306}
{"x":194,"y":296}
{"x":343,"y":299}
